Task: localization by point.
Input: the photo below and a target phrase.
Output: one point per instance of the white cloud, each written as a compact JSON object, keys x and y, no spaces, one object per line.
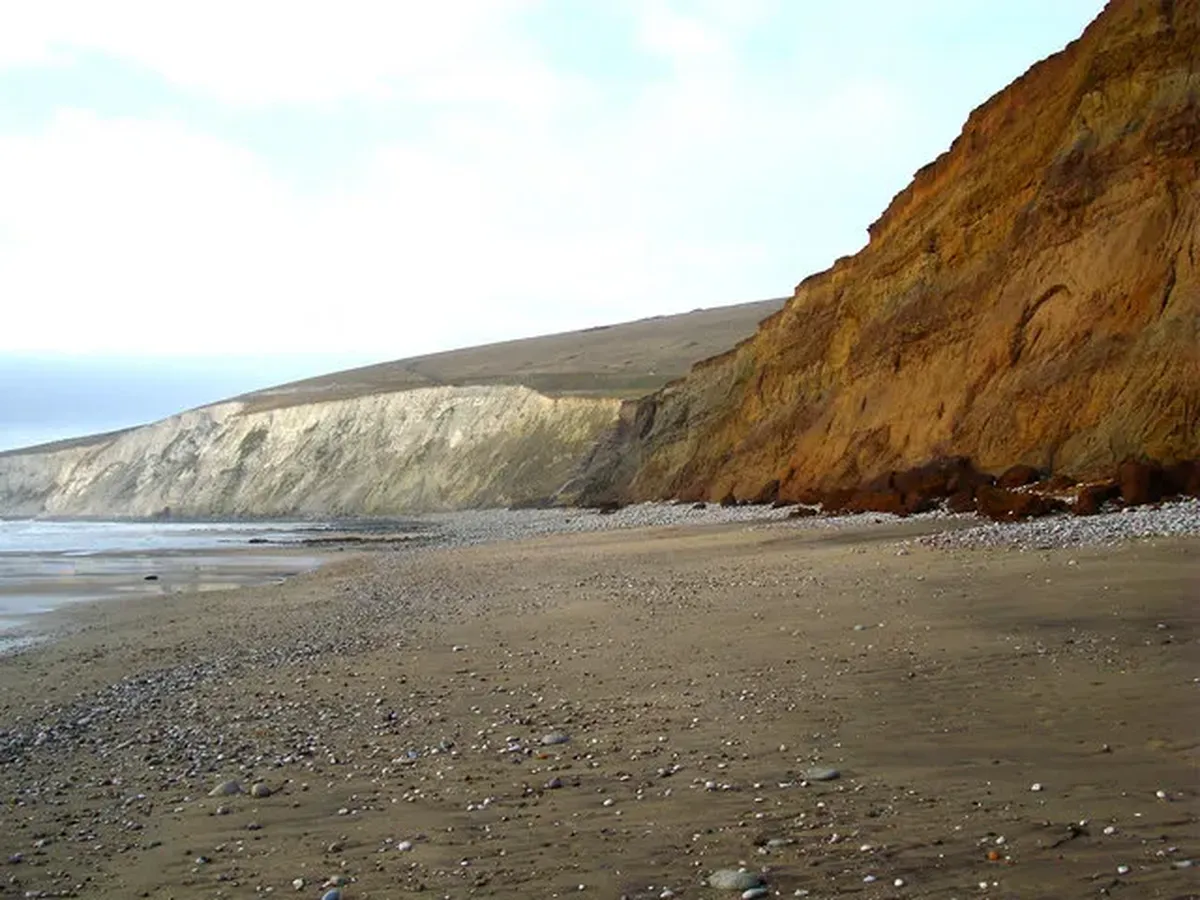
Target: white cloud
{"x":278,"y":51}
{"x":530,"y":203}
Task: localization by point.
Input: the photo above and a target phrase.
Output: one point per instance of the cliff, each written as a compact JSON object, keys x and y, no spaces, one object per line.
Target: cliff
{"x":486,"y":426}
{"x":1031,"y":297}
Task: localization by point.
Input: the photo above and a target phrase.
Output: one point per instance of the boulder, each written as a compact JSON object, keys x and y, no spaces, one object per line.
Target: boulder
{"x":1090,"y":498}
{"x":1018,"y":476}
{"x":1003,"y":505}
{"x":1140,"y":482}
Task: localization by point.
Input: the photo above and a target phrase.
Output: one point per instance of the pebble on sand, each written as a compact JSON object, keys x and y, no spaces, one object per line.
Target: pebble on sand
{"x":554,"y":737}
{"x":819,"y":773}
{"x":734,"y":880}
{"x":260,"y":790}
{"x":226,"y":788}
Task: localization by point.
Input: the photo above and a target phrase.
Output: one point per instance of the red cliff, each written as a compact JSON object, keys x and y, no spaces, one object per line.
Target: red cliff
{"x":1031,"y":297}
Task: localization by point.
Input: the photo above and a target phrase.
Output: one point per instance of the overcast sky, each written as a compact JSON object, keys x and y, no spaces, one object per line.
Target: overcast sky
{"x":202,"y":198}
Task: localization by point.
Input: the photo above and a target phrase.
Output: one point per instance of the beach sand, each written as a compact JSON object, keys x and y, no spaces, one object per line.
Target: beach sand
{"x":1002,"y":723}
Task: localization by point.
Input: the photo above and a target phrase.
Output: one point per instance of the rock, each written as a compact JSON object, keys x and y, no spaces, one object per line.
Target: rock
{"x":1140,"y":482}
{"x":821,"y":773}
{"x":332,"y":894}
{"x":260,"y":790}
{"x":226,"y":788}
{"x":961,"y":502}
{"x":554,"y":737}
{"x":884,"y":501}
{"x":1090,"y":498}
{"x":802,"y":512}
{"x":1018,"y":476}
{"x":729,"y":500}
{"x":554,"y":784}
{"x":755,"y":893}
{"x":1182,"y":478}
{"x":734,"y":880}
{"x":1009,"y":506}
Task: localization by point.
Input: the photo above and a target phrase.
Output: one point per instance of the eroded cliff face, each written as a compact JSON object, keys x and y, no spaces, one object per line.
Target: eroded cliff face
{"x":1032,"y":297}
{"x":409,"y":451}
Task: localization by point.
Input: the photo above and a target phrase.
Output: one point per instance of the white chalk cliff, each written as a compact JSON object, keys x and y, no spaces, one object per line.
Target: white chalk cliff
{"x":407,"y":451}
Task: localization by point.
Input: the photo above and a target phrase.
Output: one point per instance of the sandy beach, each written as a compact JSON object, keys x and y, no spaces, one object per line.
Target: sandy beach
{"x":623,"y":714}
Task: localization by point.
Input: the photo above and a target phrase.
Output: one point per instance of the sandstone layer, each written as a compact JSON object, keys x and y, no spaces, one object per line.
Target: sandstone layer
{"x":1032,"y":297}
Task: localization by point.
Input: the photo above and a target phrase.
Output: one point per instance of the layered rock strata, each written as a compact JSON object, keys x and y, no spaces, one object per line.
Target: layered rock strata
{"x":1032,"y":297}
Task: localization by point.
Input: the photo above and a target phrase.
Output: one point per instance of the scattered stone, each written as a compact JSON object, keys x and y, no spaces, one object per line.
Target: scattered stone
{"x":260,"y":790}
{"x":755,"y":893}
{"x":734,"y":880}
{"x":332,"y":894}
{"x":226,"y":788}
{"x":554,"y":737}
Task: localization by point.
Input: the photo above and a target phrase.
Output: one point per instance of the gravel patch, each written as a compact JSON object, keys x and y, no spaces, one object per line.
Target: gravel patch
{"x":1176,"y":519}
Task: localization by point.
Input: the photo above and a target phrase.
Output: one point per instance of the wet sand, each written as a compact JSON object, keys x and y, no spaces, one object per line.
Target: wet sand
{"x":35,"y":584}
{"x":699,"y":673}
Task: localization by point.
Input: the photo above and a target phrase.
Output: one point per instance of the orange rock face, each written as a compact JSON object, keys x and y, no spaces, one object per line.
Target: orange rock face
{"x":1031,"y":298}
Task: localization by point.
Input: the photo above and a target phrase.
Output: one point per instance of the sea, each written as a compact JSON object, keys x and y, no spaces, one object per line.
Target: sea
{"x":46,"y":564}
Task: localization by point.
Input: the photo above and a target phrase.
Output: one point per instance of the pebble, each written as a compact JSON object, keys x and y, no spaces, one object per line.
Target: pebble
{"x":1174,"y":519}
{"x":820,"y":773}
{"x":734,"y":880}
{"x":226,"y":788}
{"x":755,"y":893}
{"x":554,"y":737}
{"x":332,"y":894}
{"x":260,"y":790}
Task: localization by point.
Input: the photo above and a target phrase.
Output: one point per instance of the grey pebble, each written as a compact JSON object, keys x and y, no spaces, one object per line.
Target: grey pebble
{"x":260,"y":790}
{"x":734,"y":880}
{"x":334,"y":894}
{"x":819,"y":773}
{"x":755,"y":893}
{"x":554,"y":737}
{"x":226,"y":788}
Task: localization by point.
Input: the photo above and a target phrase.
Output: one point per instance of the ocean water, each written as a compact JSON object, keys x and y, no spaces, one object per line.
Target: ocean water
{"x":45,"y":565}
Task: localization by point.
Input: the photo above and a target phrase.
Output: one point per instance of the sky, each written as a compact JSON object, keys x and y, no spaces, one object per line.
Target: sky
{"x":199,"y":199}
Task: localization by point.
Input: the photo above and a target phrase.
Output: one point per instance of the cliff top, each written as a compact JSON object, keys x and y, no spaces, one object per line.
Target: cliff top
{"x":625,"y":360}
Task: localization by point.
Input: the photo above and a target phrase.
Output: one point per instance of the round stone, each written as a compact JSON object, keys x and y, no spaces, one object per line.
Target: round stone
{"x":554,"y":737}
{"x":260,"y":790}
{"x":734,"y":880}
{"x":755,"y":893}
{"x":226,"y":788}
